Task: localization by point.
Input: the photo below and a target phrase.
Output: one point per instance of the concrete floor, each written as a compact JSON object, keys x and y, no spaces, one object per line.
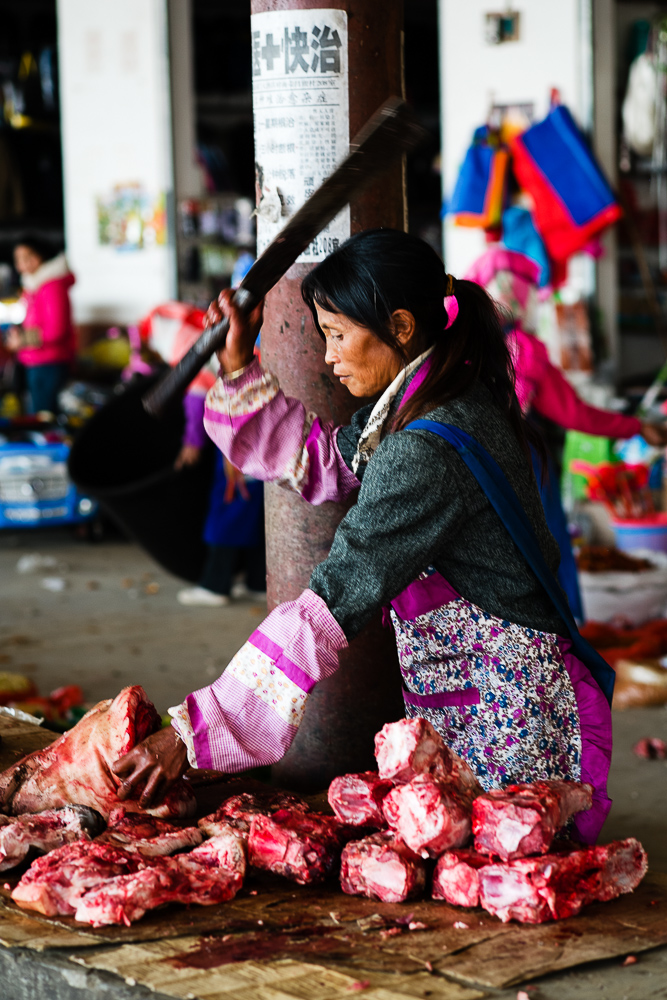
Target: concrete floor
{"x":105,"y":631}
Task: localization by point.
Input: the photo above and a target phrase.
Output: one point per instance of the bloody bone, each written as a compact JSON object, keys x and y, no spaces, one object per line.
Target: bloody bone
{"x":429,"y":815}
{"x":76,"y":769}
{"x":212,"y":873}
{"x":239,"y":810}
{"x":148,"y":836}
{"x":382,"y":867}
{"x":54,"y":884}
{"x":45,"y":831}
{"x":555,"y":886}
{"x":522,"y":819}
{"x":410,"y":747}
{"x":456,"y":877}
{"x":300,"y":846}
{"x":356,"y":799}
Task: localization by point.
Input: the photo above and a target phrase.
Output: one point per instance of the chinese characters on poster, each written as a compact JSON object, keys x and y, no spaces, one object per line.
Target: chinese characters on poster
{"x":302,"y":132}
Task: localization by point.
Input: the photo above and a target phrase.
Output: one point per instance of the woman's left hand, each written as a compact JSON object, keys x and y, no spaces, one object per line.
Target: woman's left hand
{"x":188,"y":455}
{"x":655,"y":434}
{"x":155,"y":764}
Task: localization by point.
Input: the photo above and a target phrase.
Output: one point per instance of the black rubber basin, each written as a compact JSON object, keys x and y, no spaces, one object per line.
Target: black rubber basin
{"x":125,"y":459}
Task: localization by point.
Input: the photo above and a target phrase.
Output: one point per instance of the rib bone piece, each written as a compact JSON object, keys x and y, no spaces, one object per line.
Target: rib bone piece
{"x":76,"y":769}
{"x":239,"y":810}
{"x":555,"y":886}
{"x":212,"y":873}
{"x":45,"y":831}
{"x":521,"y":820}
{"x":148,"y":836}
{"x":54,"y":884}
{"x":357,"y":798}
{"x":382,"y":867}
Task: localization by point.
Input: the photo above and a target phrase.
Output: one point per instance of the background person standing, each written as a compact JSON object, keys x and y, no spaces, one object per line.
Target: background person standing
{"x":44,"y":344}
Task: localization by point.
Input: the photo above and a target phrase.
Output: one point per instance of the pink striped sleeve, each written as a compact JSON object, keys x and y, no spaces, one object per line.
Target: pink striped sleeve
{"x":271,"y":437}
{"x":250,"y":715}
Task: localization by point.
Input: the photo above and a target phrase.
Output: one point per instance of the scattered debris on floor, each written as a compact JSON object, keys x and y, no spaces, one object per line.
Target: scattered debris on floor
{"x":651,"y":748}
{"x":56,"y":584}
{"x":32,"y":562}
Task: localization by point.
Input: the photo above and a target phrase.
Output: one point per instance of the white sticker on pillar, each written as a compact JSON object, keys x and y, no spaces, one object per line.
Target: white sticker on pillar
{"x":302,"y":117}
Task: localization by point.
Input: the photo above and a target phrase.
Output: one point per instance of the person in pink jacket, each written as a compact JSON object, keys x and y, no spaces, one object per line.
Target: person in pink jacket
{"x":44,"y":344}
{"x":511,"y":279}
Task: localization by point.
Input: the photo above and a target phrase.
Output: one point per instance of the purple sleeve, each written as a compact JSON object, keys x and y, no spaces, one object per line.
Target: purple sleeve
{"x":271,"y":437}
{"x":193,"y":407}
{"x":251,"y":714}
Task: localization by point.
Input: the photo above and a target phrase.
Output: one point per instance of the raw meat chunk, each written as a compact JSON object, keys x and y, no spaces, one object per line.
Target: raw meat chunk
{"x":45,"y":831}
{"x":555,"y":886}
{"x":357,"y":798}
{"x":212,"y":873}
{"x":382,"y":867}
{"x":76,"y":769}
{"x":410,"y":747}
{"x":301,"y":846}
{"x":239,"y":810}
{"x":148,"y":836}
{"x":456,"y":877}
{"x":429,"y":815}
{"x":55,"y":883}
{"x":522,"y":819}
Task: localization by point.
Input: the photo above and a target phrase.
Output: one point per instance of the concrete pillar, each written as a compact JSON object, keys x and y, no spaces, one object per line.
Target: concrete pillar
{"x":344,"y":712}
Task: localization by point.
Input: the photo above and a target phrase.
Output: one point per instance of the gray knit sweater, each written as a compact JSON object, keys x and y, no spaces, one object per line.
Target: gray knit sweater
{"x":419,"y":505}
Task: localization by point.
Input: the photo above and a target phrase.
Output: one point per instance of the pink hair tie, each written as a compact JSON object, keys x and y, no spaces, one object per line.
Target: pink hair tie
{"x":451,"y":308}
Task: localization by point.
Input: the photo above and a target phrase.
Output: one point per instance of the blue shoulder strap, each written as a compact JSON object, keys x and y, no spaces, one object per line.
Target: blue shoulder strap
{"x":505,"y":502}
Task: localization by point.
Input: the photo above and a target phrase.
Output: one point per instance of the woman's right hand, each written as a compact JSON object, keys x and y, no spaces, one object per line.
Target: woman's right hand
{"x":242,"y":333}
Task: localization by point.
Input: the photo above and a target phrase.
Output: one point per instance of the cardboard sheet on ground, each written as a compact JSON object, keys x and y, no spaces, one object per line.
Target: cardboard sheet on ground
{"x":323,"y":926}
{"x":18,"y":738}
{"x":152,"y":965}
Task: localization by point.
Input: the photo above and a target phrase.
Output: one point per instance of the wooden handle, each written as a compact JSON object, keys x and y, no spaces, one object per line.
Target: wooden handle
{"x":175,"y":382}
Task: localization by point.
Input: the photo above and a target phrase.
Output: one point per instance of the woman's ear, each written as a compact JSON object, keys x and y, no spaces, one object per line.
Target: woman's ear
{"x":404,"y":325}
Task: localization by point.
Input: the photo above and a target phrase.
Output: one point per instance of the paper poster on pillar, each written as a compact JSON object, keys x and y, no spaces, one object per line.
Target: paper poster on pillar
{"x":302,"y":117}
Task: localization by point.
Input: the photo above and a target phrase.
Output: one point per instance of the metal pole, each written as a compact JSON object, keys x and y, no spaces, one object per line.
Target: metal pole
{"x":344,"y":712}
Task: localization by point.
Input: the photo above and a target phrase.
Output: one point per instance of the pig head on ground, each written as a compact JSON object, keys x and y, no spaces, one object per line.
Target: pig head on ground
{"x":76,"y":768}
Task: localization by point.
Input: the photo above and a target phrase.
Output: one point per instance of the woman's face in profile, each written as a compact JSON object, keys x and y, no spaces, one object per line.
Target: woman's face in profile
{"x":361,"y":361}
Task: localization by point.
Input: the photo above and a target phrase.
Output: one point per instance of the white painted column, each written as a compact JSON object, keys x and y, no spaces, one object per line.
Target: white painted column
{"x":117,"y":156}
{"x":606,"y":149}
{"x":187,"y":174}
